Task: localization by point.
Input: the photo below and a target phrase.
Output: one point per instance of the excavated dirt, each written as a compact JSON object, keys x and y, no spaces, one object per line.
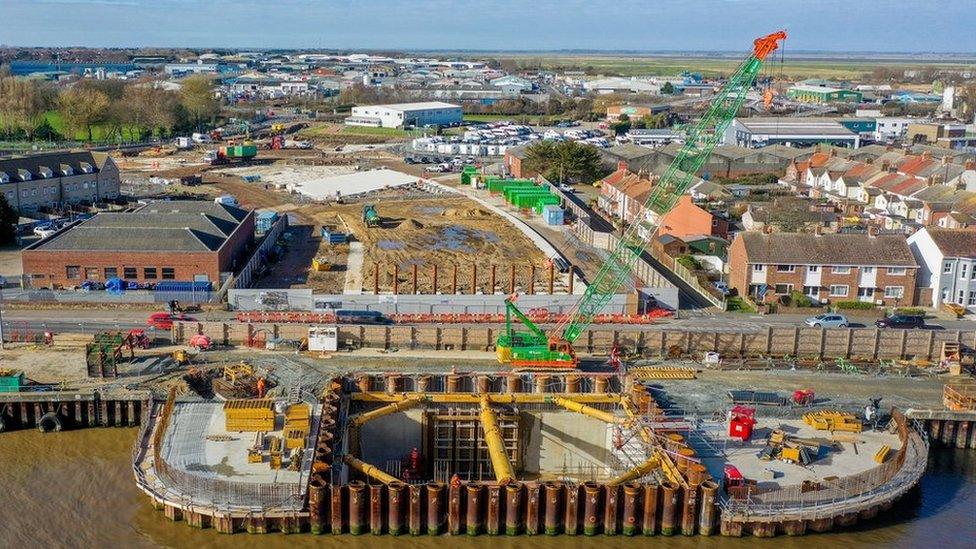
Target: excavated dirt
{"x":438,"y":231}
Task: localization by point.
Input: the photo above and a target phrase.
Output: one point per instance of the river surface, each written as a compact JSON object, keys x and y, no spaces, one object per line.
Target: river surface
{"x":75,"y":489}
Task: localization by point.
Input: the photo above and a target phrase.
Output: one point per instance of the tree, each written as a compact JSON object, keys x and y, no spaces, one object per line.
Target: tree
{"x":667,"y":88}
{"x":197,"y":97}
{"x":23,"y":103}
{"x":8,"y":222}
{"x":564,"y":161}
{"x":82,"y":107}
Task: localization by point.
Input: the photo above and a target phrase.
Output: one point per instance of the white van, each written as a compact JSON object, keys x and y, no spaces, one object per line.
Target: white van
{"x":202,"y":138}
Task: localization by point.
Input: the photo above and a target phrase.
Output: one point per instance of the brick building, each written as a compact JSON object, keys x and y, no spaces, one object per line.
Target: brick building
{"x":826,"y":268}
{"x":55,"y":179}
{"x":178,"y":240}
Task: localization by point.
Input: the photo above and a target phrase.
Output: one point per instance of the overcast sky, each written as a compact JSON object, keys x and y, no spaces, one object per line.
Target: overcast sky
{"x":651,"y":25}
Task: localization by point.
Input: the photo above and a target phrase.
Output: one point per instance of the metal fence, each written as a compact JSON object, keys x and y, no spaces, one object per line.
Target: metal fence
{"x":106,"y":297}
{"x":243,"y":279}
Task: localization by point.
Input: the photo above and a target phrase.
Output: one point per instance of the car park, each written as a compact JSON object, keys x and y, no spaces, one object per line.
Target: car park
{"x":827,"y":320}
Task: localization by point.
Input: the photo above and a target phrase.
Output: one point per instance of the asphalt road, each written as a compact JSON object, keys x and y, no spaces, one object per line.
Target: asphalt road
{"x":18,"y":321}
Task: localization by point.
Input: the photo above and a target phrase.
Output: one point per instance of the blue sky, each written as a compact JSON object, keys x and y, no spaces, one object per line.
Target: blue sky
{"x":829,"y":25}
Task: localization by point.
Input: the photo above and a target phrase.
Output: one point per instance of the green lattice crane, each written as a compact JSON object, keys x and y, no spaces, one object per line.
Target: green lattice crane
{"x":532,"y":347}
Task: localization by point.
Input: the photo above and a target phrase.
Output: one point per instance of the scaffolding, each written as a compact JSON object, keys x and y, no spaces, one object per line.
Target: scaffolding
{"x":459,"y":446}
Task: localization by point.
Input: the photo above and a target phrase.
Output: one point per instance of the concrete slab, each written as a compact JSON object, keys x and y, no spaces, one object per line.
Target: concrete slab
{"x":197,"y":443}
{"x":839,"y":461}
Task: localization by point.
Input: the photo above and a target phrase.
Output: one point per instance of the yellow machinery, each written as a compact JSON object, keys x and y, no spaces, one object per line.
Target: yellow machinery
{"x":181,"y":357}
{"x":274,"y":450}
{"x":637,"y":472}
{"x":238,"y":372}
{"x":295,"y":438}
{"x":254,"y":453}
{"x":664,"y":461}
{"x":882,"y":453}
{"x":496,"y":445}
{"x":831,"y":420}
{"x":321,"y":265}
{"x":249,"y":415}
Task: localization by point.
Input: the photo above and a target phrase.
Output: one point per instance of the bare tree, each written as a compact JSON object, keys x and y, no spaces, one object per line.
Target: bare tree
{"x":82,"y":107}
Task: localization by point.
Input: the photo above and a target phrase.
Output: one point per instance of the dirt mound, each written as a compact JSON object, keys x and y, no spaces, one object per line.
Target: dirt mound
{"x":412,"y":224}
{"x":467,"y":213}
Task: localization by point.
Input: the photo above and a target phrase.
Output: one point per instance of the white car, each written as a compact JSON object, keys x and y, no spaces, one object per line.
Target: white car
{"x":45,"y":231}
{"x":829,"y":320}
{"x":566,"y":188}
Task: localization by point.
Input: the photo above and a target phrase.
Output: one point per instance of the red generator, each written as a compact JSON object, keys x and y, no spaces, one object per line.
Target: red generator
{"x":741,"y":421}
{"x":803,"y":397}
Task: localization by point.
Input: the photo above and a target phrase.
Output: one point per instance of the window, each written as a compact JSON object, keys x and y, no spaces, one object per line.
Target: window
{"x":838,"y":290}
{"x":962,"y":270}
{"x":785,"y":268}
{"x":783,"y":289}
{"x":759,"y":268}
{"x":169,"y":273}
{"x":865,"y":292}
{"x":813,"y":268}
{"x":149,"y":273}
{"x":867,"y":270}
{"x":129,"y":272}
{"x":91,"y":273}
{"x":961,"y":297}
{"x":946,"y":267}
{"x":111,"y":272}
{"x":945,"y":294}
{"x":894,"y":292}
{"x":811,"y":291}
{"x":72,"y":272}
{"x":896,"y":271}
{"x":841,"y":270}
{"x":972,"y":297}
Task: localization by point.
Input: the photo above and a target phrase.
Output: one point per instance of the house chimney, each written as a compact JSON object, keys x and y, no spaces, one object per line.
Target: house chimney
{"x":885,"y":164}
{"x":621,"y":165}
{"x":927,"y":155}
{"x":970,"y":165}
{"x":767,"y":229}
{"x":872,"y":232}
{"x":833,"y":152}
{"x":945,"y":160}
{"x":929,"y":181}
{"x":889,"y":147}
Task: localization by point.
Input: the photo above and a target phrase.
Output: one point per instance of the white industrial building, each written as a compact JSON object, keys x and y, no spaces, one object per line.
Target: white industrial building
{"x":406,"y":114}
{"x":758,"y":131}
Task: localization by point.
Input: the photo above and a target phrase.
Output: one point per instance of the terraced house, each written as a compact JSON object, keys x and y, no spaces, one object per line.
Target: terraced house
{"x":56,"y":179}
{"x":827,"y":268}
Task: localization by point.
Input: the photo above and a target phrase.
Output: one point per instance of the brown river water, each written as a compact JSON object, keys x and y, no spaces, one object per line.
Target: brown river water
{"x":75,"y":489}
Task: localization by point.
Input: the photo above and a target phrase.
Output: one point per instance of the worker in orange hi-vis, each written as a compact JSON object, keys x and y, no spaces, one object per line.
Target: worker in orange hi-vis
{"x":261,"y":387}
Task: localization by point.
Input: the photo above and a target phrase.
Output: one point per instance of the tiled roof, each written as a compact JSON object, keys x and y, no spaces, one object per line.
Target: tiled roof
{"x":828,"y":249}
{"x":955,"y":242}
{"x":55,"y":161}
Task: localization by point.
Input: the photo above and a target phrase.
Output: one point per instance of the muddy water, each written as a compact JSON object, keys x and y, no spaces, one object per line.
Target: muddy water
{"x":75,"y":489}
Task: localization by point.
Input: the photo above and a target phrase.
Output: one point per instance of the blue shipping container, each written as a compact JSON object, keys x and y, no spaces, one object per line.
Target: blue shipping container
{"x":264,"y":221}
{"x":552,"y":214}
{"x":183,"y":286}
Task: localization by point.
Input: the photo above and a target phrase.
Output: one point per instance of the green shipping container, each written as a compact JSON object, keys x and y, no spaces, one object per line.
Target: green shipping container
{"x":496,"y":185}
{"x":11,"y":381}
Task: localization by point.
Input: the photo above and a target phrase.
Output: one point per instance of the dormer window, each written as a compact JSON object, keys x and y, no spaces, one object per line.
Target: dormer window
{"x":67,"y":170}
{"x":45,"y":172}
{"x":4,"y":178}
{"x":24,"y":175}
{"x":86,"y":167}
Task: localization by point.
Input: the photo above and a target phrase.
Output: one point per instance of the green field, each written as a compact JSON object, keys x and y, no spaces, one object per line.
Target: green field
{"x":658,"y":66}
{"x":100,"y":132}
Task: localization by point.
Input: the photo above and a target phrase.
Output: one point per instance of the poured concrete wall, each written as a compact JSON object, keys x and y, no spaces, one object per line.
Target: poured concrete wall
{"x":563,"y":441}
{"x":391,"y":437}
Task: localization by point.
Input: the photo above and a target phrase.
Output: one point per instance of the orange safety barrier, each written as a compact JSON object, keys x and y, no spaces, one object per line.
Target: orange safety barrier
{"x":540,"y":316}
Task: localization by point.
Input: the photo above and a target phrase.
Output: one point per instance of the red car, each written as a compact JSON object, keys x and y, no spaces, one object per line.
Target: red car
{"x":164,"y":321}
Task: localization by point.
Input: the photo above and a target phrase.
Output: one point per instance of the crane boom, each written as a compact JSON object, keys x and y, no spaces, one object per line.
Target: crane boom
{"x":672,"y":184}
{"x":527,"y":348}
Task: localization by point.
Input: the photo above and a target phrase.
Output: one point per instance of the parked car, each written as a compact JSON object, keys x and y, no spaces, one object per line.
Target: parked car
{"x":722,"y":287}
{"x":164,"y":321}
{"x":45,"y":230}
{"x":829,"y":320}
{"x":901,"y":321}
{"x":565,"y":188}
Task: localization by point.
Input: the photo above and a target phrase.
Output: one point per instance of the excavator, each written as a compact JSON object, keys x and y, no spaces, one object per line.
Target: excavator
{"x":528,"y":346}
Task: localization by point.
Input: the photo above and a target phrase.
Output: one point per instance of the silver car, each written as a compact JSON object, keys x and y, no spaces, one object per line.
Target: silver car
{"x":829,"y":320}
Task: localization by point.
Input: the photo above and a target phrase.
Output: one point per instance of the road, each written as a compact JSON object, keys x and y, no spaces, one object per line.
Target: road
{"x":17,"y":322}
